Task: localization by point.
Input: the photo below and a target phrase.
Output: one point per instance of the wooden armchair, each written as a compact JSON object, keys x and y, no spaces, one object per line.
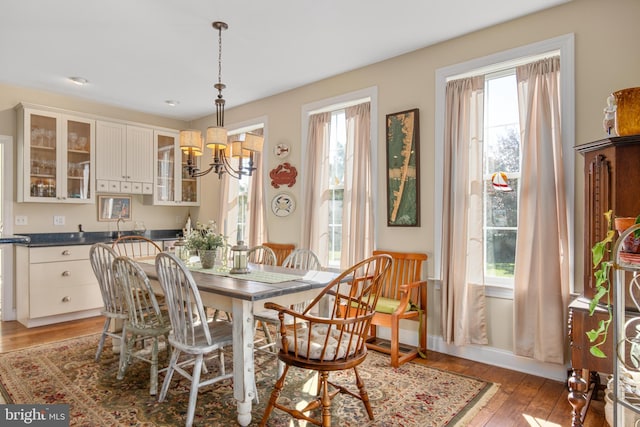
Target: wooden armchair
{"x":403,"y":295}
{"x":331,"y":341}
{"x":282,"y":250}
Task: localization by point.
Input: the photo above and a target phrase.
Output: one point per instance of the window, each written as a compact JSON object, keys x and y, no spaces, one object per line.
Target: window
{"x":239,"y":192}
{"x":339,"y":165}
{"x":335,"y":184}
{"x":501,"y":155}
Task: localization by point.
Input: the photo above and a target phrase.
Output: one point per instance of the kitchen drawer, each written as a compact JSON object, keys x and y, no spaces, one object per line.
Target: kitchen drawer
{"x":67,"y":273}
{"x":59,"y":253}
{"x":52,"y":300}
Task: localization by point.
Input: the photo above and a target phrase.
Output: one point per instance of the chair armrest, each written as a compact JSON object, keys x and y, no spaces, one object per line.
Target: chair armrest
{"x":405,"y":290}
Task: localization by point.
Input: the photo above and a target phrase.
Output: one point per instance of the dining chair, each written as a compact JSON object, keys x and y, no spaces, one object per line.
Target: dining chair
{"x":261,"y":255}
{"x":303,"y":259}
{"x":403,"y":296}
{"x":101,"y":257}
{"x":191,"y":333}
{"x":134,"y":246}
{"x":331,"y":342}
{"x":145,"y":322}
{"x":281,"y":250}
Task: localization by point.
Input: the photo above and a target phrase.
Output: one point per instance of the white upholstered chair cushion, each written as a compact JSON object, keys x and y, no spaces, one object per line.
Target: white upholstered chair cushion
{"x":318,"y":336}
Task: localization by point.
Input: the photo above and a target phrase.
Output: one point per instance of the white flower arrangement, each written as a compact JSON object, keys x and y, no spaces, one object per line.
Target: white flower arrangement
{"x":204,"y":237}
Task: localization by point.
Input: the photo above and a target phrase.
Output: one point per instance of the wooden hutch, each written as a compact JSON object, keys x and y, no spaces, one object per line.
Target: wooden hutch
{"x":611,"y":175}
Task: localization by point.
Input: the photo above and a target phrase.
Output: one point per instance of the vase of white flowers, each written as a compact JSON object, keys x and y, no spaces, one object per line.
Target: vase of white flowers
{"x":205,"y":241}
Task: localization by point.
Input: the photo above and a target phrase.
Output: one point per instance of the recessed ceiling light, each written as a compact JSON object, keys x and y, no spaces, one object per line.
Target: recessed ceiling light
{"x":171,"y":102}
{"x":80,"y":81}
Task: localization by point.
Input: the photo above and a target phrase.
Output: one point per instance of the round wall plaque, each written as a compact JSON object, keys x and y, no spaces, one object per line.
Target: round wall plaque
{"x":281,"y":150}
{"x":283,"y":204}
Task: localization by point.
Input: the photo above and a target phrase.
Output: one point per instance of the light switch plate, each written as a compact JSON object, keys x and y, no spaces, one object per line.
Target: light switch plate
{"x":22,"y":220}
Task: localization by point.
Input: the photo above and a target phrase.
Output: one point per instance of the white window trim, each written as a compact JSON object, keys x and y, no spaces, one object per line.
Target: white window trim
{"x":8,"y":285}
{"x":335,"y":103}
{"x":565,"y":44}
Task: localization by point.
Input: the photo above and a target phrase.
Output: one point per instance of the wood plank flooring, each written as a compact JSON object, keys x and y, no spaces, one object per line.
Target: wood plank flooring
{"x":522,"y":400}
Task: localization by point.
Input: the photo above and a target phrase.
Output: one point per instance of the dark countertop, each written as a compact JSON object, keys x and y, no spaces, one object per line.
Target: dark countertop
{"x":14,"y":239}
{"x":87,"y":237}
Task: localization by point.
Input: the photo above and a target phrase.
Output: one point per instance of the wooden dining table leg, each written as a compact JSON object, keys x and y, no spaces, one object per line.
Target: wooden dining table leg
{"x":244,"y":389}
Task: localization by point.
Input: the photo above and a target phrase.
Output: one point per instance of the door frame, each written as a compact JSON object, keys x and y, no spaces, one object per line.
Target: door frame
{"x":6,"y":214}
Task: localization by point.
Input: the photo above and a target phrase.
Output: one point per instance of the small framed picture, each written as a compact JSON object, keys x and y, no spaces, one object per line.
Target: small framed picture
{"x":113,"y":208}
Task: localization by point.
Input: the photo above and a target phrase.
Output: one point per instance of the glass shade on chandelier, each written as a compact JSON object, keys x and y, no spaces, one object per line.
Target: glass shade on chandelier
{"x":216,"y":138}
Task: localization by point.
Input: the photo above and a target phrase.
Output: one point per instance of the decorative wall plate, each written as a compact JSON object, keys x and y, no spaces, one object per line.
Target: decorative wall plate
{"x":283,"y":174}
{"x":283,"y":204}
{"x":281,"y":150}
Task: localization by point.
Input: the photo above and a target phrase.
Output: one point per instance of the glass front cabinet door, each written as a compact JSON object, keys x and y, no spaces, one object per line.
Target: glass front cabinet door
{"x":173,"y":186}
{"x":56,"y":156}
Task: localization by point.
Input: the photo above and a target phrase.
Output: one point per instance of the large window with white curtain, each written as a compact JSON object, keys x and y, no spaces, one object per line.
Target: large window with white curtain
{"x":500,"y":135}
{"x":237,"y":215}
{"x":338,"y":198}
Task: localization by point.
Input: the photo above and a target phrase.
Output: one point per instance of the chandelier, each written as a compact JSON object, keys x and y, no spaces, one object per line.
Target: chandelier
{"x":216,"y":138}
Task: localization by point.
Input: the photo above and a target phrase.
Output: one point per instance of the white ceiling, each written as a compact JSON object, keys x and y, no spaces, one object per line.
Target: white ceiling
{"x":137,"y":54}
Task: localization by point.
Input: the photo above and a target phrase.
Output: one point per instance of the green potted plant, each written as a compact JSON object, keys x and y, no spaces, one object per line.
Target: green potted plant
{"x":206,"y":241}
{"x":602,"y":272}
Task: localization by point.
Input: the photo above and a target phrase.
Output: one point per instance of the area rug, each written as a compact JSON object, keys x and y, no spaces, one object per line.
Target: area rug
{"x":412,"y":395}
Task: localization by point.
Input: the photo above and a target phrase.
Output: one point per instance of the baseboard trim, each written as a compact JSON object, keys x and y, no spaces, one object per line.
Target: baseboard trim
{"x":501,"y":358}
{"x":484,"y":354}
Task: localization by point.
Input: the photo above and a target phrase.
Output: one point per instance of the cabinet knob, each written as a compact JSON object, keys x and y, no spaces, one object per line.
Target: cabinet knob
{"x":66,"y":252}
{"x":66,"y":299}
{"x":66,"y":273}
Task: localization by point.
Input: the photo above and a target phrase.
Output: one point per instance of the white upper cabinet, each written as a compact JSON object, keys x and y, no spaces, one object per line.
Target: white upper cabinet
{"x":172,"y":185}
{"x":124,"y":156}
{"x":56,"y":154}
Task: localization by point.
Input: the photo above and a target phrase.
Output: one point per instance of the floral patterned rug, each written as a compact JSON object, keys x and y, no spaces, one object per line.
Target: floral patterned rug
{"x":65,"y":372}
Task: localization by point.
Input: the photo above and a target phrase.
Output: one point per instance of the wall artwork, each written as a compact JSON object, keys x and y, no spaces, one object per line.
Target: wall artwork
{"x":403,"y":177}
{"x":112,"y":208}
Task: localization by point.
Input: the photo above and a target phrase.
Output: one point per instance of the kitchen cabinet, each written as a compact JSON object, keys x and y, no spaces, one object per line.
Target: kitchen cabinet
{"x":124,"y":158}
{"x":55,"y":284}
{"x":172,"y":184}
{"x":56,"y":153}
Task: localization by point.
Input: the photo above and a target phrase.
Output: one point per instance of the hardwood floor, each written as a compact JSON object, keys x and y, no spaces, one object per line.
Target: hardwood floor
{"x":522,"y":400}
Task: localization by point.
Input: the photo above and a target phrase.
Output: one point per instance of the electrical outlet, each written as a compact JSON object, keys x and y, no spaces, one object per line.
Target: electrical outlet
{"x":21,"y":220}
{"x":58,"y":220}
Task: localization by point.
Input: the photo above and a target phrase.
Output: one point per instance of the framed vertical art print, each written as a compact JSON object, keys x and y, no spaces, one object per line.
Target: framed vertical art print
{"x":403,"y":171}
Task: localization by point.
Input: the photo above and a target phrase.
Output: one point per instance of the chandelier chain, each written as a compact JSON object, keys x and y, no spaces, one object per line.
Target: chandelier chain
{"x":220,"y":55}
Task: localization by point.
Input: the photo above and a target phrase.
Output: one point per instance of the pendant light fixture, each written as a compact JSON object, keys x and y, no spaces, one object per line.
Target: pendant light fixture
{"x":216,"y":137}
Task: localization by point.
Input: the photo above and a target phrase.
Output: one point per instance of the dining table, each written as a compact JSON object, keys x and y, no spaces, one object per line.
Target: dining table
{"x":242,"y":295}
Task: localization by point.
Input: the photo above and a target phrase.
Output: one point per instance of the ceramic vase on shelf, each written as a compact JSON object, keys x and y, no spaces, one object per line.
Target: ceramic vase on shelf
{"x":631,"y":245}
{"x":207,"y":258}
{"x":627,"y":116}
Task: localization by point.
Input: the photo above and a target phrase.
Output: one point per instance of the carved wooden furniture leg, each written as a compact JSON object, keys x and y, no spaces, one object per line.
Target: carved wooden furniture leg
{"x":274,"y":396}
{"x":363,"y":394}
{"x":577,"y":397}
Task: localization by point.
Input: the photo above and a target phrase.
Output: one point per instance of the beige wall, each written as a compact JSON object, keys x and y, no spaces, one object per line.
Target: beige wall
{"x":606,"y":59}
{"x":40,"y":215}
